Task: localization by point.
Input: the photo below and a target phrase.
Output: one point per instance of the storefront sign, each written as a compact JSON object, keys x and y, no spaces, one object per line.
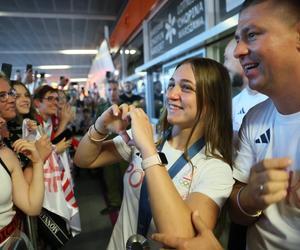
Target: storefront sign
{"x":176,"y":22}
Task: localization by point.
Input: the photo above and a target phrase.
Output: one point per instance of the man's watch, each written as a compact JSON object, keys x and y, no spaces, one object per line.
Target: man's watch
{"x":157,"y":159}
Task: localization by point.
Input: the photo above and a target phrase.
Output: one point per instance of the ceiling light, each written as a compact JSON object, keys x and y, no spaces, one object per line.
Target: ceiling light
{"x":126,"y":51}
{"x":121,"y":51}
{"x":54,"y":67}
{"x":78,"y":79}
{"x":132,"y":51}
{"x":79,"y":51}
{"x":46,"y":75}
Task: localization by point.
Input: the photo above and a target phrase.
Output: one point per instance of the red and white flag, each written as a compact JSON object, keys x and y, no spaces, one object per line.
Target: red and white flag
{"x":59,"y":194}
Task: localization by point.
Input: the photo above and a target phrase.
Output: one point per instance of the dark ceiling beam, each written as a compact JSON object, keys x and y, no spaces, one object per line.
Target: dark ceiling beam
{"x":58,"y":16}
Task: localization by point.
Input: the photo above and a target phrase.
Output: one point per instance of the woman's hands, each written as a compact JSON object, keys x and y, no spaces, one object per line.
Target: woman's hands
{"x":117,"y":118}
{"x":114,"y":119}
{"x":31,"y":125}
{"x":62,"y":145}
{"x":27,"y":148}
{"x":44,"y":147}
{"x":67,"y":115}
{"x":142,"y":132}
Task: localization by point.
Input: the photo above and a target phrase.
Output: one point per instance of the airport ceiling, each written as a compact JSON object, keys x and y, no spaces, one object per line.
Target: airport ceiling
{"x":34,"y":31}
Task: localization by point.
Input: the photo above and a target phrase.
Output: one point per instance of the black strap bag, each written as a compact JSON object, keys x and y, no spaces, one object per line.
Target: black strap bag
{"x":53,"y":229}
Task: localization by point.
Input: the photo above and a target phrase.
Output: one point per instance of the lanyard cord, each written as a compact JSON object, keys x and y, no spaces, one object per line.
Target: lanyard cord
{"x":145,"y":214}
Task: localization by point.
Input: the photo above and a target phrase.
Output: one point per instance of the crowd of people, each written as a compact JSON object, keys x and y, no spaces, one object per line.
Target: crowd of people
{"x":209,"y":154}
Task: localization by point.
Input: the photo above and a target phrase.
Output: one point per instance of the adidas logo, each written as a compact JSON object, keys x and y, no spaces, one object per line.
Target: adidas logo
{"x":242,"y":111}
{"x":264,"y":138}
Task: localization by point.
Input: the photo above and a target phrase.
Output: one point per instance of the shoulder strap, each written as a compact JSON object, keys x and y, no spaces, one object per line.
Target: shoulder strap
{"x":145,"y":214}
{"x":5,"y":167}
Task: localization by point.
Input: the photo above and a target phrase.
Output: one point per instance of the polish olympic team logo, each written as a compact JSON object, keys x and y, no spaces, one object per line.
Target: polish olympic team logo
{"x":171,"y":31}
{"x":135,"y":176}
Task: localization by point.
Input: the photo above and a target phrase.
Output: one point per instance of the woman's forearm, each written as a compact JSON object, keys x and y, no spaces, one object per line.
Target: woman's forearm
{"x":87,"y":151}
{"x":36,"y":189}
{"x":170,"y":213}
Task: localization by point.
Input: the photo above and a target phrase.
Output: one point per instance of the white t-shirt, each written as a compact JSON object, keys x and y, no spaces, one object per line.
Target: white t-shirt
{"x":212,"y":177}
{"x":6,"y":204}
{"x":265,"y":133}
{"x":241,"y":103}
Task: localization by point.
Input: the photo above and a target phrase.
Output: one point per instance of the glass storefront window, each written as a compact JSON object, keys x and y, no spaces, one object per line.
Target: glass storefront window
{"x":226,"y":9}
{"x":134,"y":54}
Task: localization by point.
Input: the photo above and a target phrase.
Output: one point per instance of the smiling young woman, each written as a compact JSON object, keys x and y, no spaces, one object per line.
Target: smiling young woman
{"x":187,"y":169}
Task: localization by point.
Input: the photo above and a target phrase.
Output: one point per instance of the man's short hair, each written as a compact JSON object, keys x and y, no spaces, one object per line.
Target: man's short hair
{"x":41,"y":91}
{"x":293,"y":5}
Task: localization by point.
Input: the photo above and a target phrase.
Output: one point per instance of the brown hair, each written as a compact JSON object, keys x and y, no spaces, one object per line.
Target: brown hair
{"x":41,"y":91}
{"x":31,"y":113}
{"x":213,"y":91}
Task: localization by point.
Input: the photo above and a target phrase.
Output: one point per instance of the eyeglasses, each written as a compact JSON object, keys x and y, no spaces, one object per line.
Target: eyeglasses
{"x":4,"y":95}
{"x":51,"y":98}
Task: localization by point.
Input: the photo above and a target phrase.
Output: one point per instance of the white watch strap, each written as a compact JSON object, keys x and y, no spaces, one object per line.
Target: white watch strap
{"x":151,"y":161}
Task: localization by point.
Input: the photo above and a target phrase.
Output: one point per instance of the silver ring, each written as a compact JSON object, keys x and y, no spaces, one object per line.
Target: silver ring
{"x":261,"y":188}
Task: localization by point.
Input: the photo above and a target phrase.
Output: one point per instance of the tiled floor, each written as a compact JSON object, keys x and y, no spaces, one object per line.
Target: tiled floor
{"x":96,"y":228}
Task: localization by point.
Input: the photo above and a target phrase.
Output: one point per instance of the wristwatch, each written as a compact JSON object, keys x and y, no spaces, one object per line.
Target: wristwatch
{"x":157,"y":159}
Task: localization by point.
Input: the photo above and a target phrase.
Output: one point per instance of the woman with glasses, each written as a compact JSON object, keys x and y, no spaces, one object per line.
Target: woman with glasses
{"x":187,"y":169}
{"x":15,"y":191}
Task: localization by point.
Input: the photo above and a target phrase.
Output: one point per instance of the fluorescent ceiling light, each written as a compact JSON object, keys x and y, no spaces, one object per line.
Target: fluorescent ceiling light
{"x":132,"y":51}
{"x":78,"y":79}
{"x":54,"y":67}
{"x":79,"y":51}
{"x":46,"y":75}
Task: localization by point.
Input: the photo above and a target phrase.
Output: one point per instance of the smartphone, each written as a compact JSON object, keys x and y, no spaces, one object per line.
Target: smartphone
{"x":6,"y":69}
{"x":65,"y":134}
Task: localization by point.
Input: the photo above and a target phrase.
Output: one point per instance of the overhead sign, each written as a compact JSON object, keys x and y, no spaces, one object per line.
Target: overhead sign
{"x":175,"y":23}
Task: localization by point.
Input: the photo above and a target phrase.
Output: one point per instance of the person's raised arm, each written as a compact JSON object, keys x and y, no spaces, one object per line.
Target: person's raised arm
{"x":171,"y":214}
{"x":26,"y":196}
{"x":66,"y":116}
{"x":267,"y":184}
{"x":93,"y":151}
